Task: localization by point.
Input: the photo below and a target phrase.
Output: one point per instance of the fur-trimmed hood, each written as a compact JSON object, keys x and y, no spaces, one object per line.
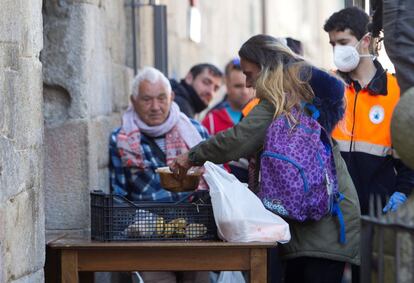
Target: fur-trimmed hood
{"x":329,"y":97}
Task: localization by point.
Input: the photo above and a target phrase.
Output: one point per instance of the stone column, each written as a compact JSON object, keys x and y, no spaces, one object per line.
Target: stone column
{"x":86,"y":86}
{"x":22,"y":242}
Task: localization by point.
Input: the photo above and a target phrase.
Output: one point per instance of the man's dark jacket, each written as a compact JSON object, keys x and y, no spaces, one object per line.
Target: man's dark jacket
{"x":187,"y":98}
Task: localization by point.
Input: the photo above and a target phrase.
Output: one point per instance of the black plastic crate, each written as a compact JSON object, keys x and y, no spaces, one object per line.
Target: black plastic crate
{"x":114,"y":218}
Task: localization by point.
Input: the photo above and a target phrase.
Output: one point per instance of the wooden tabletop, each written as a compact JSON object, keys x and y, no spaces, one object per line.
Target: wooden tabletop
{"x":75,"y":254}
{"x":86,"y":243}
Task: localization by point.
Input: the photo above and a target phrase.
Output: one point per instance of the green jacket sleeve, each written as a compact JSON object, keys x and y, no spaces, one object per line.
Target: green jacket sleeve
{"x":243,"y":140}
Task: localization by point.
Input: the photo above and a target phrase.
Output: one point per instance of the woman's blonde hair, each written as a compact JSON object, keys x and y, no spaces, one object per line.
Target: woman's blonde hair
{"x":284,"y":76}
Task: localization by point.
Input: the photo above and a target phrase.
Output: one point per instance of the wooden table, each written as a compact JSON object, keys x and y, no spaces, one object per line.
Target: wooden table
{"x":78,"y":258}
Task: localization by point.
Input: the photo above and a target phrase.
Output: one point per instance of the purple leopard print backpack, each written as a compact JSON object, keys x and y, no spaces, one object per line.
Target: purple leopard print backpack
{"x":298,"y":176}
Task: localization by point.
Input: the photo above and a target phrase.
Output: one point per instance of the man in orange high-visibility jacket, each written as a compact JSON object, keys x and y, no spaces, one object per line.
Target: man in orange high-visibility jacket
{"x":371,"y":96}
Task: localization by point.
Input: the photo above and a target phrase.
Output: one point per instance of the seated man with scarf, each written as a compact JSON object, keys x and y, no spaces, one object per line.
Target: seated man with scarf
{"x":154,"y":131}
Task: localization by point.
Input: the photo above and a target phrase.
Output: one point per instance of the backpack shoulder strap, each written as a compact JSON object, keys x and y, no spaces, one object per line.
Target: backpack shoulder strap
{"x":313,"y":111}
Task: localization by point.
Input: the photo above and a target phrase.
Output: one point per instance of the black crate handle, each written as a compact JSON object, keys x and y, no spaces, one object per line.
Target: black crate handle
{"x":133,"y":204}
{"x":126,"y":200}
{"x":116,"y":196}
{"x":198,"y":202}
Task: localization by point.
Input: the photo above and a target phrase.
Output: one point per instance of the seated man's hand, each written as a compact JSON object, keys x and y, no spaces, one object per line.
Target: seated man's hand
{"x":180,"y":166}
{"x":395,"y":201}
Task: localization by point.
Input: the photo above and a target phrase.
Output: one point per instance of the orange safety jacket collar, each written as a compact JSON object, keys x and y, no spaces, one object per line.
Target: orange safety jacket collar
{"x":377,"y":86}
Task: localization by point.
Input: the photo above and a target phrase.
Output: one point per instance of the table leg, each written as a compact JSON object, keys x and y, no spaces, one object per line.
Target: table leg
{"x":52,"y":266}
{"x":69,"y":266}
{"x":258,"y":266}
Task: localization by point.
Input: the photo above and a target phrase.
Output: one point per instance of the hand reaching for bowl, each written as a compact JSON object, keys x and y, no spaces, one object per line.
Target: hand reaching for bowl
{"x":180,"y":166}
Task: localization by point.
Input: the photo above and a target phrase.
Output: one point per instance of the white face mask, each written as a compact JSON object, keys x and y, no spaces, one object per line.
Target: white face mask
{"x":346,"y":58}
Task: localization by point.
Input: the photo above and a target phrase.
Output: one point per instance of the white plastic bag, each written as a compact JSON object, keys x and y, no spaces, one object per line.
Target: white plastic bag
{"x":239,"y":214}
{"x":230,"y":277}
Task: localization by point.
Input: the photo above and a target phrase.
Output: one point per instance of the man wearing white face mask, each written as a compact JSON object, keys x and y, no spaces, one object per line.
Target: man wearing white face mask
{"x":364,"y":133}
{"x":347,"y":57}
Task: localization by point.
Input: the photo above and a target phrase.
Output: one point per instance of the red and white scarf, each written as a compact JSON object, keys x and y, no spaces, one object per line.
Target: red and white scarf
{"x":180,"y":136}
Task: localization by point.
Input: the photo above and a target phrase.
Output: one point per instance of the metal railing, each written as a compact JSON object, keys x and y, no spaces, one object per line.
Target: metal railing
{"x":374,"y":228}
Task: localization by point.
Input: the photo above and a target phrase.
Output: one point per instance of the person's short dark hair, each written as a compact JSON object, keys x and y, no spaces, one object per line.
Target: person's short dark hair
{"x":234,"y":64}
{"x":352,"y":18}
{"x":295,"y":45}
{"x":199,"y":68}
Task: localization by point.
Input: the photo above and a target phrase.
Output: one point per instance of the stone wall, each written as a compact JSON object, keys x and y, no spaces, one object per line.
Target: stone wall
{"x":227,"y":24}
{"x":85,"y":88}
{"x":304,"y":20}
{"x":21,"y":136}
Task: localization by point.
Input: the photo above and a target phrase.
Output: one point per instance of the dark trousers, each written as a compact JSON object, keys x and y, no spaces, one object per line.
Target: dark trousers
{"x":313,"y":270}
{"x":356,"y":274}
{"x":274,"y":266}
